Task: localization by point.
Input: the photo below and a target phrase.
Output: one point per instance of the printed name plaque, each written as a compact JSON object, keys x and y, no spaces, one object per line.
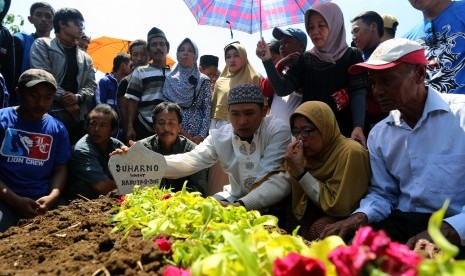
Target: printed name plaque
{"x":139,"y":166}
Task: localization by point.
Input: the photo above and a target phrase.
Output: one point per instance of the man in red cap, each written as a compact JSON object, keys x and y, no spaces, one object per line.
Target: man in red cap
{"x":413,"y":170}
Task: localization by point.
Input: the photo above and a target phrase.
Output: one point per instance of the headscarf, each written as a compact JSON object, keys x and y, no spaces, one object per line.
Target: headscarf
{"x":180,"y":84}
{"x":229,"y":80}
{"x":342,"y":167}
{"x":336,"y":44}
{"x":247,"y":74}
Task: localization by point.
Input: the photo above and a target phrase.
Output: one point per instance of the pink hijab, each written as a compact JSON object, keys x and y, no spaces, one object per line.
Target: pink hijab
{"x":336,"y":44}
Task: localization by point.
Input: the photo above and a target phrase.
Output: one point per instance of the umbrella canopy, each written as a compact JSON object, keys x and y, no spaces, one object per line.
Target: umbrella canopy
{"x":249,"y":15}
{"x":103,"y":50}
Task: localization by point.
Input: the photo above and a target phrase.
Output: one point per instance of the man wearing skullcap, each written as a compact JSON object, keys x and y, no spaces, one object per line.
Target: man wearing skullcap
{"x":250,"y":149}
{"x":145,"y":89}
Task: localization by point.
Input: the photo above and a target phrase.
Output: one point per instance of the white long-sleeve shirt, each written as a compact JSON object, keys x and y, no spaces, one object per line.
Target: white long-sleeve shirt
{"x":244,"y":163}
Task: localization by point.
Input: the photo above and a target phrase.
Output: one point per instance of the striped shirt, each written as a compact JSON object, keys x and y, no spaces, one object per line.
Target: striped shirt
{"x":146,"y":87}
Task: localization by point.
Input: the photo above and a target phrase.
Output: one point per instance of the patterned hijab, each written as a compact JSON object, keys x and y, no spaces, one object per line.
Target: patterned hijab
{"x":180,"y":83}
{"x":336,"y":44}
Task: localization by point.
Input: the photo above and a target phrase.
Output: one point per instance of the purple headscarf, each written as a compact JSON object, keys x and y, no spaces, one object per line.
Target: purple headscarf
{"x":335,"y":45}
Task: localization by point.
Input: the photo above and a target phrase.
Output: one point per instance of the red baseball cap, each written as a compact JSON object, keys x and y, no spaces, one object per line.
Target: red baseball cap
{"x":390,"y":53}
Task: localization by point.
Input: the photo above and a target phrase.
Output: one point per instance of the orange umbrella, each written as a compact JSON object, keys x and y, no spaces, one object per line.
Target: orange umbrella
{"x":103,"y":50}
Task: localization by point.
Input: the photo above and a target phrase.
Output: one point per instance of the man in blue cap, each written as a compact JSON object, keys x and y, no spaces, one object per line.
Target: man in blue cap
{"x":292,"y":44}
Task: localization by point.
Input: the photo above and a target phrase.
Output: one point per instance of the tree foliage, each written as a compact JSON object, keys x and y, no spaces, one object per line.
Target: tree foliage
{"x":13,"y":22}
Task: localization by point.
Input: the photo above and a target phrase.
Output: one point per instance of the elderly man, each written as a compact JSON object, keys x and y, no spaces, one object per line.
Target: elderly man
{"x":416,"y":154}
{"x":34,"y":151}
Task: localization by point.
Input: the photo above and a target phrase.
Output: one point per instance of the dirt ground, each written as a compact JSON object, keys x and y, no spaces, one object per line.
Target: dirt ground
{"x":76,"y":240}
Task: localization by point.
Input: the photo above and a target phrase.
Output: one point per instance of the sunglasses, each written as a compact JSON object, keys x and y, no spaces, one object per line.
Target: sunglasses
{"x":430,"y":34}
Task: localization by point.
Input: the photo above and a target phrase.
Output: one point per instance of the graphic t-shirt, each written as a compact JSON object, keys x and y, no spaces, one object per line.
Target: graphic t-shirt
{"x":29,"y":151}
{"x":446,"y":48}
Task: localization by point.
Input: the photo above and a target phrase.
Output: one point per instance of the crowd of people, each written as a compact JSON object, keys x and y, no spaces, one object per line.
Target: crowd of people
{"x":332,"y":139}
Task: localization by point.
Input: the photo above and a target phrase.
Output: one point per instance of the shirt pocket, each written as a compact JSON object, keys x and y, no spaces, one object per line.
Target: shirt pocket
{"x":444,"y":174}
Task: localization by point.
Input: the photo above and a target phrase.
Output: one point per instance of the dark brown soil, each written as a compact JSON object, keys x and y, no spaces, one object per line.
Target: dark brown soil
{"x":76,"y":240}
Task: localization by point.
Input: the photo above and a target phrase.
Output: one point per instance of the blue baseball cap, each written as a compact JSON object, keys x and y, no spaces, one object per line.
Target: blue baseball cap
{"x":294,"y":32}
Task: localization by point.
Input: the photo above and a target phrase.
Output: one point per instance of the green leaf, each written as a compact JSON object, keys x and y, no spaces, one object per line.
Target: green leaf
{"x":442,"y":264}
{"x":434,"y":225}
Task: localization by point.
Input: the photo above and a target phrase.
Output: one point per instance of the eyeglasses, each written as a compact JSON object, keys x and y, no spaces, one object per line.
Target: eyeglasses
{"x":303,"y":132}
{"x":430,"y":34}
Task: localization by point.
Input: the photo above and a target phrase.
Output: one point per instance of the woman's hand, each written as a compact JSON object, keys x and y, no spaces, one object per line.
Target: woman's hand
{"x":295,"y":158}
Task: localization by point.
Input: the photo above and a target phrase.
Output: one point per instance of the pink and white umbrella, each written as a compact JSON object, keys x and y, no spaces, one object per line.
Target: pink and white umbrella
{"x":250,"y":16}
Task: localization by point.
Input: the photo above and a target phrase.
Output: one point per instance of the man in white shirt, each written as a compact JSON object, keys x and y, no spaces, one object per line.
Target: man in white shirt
{"x":249,"y":149}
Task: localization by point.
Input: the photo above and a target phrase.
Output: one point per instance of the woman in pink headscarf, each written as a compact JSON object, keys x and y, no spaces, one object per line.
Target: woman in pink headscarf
{"x":322,"y":72}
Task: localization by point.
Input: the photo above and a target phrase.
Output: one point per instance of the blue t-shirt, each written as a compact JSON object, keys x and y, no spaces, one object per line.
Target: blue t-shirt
{"x":29,"y":152}
{"x":448,"y":50}
{"x":26,"y":43}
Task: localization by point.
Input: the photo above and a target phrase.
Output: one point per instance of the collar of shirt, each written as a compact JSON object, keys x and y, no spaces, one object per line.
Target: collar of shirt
{"x":434,"y":103}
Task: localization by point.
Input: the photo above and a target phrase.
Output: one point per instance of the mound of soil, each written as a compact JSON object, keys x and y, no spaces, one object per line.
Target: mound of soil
{"x":76,"y":240}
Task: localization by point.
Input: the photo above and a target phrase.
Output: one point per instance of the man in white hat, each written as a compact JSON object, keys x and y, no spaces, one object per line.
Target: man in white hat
{"x":417,"y":153}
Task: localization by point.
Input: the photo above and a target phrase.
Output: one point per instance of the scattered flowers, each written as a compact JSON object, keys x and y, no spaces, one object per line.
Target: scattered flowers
{"x":295,"y":264}
{"x":209,"y":239}
{"x":374,"y":251}
{"x":166,"y":196}
{"x":176,"y":271}
{"x":120,"y":200}
{"x":164,"y":245}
